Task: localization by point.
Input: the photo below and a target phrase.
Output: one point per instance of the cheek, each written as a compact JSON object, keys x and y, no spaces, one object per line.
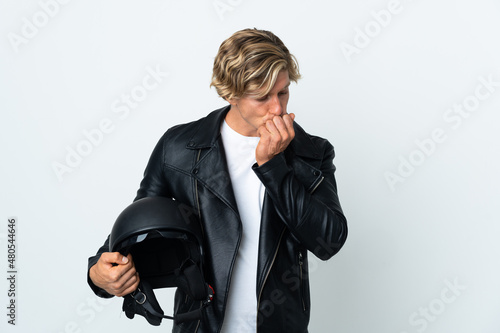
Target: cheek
{"x":284,"y":102}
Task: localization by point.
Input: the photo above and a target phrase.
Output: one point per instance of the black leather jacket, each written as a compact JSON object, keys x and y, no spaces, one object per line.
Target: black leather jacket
{"x":301,"y":212}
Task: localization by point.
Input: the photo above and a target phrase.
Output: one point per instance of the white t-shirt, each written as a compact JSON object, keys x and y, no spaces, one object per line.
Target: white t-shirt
{"x":241,"y":309}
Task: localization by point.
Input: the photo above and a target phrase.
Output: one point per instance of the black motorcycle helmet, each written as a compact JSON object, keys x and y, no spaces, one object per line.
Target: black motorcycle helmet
{"x":166,"y":242}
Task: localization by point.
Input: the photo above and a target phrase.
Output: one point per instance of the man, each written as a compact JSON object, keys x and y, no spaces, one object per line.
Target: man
{"x":264,"y":190}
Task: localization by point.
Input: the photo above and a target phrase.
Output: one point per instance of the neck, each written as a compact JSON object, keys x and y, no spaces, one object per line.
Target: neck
{"x":238,"y":124}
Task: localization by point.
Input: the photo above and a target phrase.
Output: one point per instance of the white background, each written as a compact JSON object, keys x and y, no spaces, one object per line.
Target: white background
{"x":379,"y":77}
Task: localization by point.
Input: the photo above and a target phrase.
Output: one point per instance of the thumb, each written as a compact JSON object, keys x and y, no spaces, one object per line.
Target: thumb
{"x":124,"y":259}
{"x":114,"y":258}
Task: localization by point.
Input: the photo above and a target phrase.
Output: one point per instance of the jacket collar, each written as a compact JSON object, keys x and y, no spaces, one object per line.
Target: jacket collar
{"x":209,"y":131}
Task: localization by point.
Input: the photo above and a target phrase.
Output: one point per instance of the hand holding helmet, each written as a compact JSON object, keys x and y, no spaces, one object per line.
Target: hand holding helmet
{"x":166,"y":240}
{"x":115,"y":273}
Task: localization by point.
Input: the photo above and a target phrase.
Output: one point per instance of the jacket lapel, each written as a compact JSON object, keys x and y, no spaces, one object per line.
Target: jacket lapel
{"x":271,"y":232}
{"x":210,"y":167}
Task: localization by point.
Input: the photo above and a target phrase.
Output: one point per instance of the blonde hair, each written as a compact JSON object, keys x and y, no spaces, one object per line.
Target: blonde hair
{"x":249,"y":62}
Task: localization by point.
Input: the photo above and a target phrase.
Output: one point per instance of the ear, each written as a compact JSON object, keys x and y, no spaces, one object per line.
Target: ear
{"x":232,"y":101}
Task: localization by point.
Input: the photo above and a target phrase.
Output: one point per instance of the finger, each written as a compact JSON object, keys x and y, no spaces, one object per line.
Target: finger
{"x":282,"y":127}
{"x":128,"y":286}
{"x":112,"y":272}
{"x":122,"y":278}
{"x":126,"y":272}
{"x":128,"y":259}
{"x":114,"y":258}
{"x":262,"y":131}
{"x":274,"y":138}
{"x":289,"y":119}
{"x":271,"y":127}
{"x":279,"y":123}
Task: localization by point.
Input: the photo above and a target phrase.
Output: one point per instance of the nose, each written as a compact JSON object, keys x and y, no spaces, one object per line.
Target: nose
{"x":275,"y":106}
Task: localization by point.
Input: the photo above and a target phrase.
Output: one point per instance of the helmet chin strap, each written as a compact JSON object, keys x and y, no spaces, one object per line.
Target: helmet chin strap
{"x":188,"y":278}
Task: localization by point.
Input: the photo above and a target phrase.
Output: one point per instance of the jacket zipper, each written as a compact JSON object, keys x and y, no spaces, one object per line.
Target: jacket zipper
{"x":199,"y":216}
{"x":301,"y":266}
{"x":199,"y":320}
{"x":197,"y":196}
{"x":267,"y":275}
{"x":316,"y":186}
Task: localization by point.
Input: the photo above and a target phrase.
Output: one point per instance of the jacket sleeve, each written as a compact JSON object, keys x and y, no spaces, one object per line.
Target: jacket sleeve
{"x":312,"y":211}
{"x":154,"y":183}
{"x":92,"y":261}
{"x":151,"y":185}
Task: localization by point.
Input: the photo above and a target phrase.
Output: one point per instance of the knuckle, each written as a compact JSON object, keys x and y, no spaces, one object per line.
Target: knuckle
{"x":114,"y":276}
{"x":129,"y":290}
{"x":116,"y":286}
{"x":133,"y":279}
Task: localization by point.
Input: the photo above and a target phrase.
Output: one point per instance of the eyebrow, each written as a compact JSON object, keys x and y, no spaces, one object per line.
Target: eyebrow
{"x":254,"y":94}
{"x":285,"y":87}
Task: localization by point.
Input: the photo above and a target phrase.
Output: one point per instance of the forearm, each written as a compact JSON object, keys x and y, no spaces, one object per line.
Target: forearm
{"x":92,"y":261}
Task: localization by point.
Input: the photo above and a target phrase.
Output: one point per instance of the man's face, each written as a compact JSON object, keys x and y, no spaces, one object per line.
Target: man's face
{"x":248,"y":113}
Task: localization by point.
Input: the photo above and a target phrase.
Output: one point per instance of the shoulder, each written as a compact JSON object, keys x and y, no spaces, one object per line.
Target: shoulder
{"x":202,"y":131}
